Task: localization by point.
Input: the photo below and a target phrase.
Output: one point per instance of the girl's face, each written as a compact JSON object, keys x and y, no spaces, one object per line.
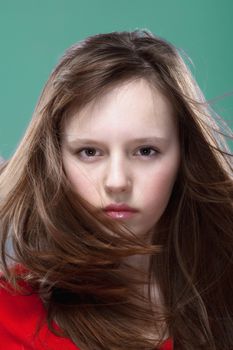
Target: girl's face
{"x":123,"y":149}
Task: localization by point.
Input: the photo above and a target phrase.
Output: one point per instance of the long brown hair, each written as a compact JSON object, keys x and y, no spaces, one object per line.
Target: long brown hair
{"x":74,"y":257}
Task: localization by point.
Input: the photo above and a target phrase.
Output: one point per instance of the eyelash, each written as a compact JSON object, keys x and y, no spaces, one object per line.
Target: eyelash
{"x":94,"y":149}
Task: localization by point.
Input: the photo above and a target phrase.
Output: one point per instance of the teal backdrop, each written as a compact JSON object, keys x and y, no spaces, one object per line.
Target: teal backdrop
{"x":34,"y":34}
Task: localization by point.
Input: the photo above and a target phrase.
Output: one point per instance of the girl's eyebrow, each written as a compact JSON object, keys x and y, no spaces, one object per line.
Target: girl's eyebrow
{"x":135,"y":140}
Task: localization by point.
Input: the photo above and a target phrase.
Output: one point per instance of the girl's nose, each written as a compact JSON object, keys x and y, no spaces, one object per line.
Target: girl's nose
{"x":117,"y":177}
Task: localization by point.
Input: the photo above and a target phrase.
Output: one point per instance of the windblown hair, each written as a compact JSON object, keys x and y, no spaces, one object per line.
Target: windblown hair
{"x":75,"y":258}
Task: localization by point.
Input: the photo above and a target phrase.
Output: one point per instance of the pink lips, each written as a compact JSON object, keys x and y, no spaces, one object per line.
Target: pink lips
{"x":120,"y":211}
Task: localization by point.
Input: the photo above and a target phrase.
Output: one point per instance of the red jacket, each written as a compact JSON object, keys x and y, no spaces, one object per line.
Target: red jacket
{"x":20,"y":316}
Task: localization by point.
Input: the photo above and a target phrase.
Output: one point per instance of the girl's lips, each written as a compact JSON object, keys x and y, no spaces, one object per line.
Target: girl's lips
{"x":120,"y":214}
{"x":120,"y":211}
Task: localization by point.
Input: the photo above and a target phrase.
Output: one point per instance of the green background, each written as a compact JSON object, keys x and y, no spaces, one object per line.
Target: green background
{"x":34,"y":34}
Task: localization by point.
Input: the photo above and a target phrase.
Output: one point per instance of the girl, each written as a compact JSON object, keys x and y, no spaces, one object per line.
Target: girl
{"x":116,"y":209}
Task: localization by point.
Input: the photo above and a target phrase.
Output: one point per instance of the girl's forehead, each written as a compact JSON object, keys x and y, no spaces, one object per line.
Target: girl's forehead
{"x":130,"y":105}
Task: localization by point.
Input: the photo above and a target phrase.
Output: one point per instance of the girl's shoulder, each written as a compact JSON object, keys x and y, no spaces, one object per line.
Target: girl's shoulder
{"x":23,"y":322}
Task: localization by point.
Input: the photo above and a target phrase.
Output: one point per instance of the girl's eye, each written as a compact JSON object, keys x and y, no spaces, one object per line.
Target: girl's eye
{"x":147,"y":151}
{"x":88,"y":152}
